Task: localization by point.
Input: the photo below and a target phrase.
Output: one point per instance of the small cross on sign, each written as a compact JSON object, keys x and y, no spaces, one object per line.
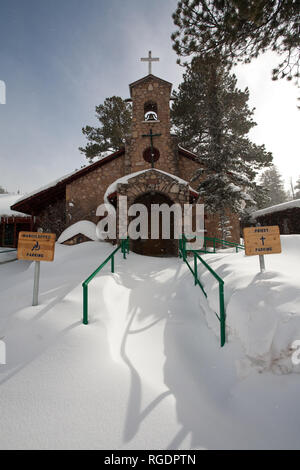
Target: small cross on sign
{"x":263,"y":240}
{"x":150,"y":59}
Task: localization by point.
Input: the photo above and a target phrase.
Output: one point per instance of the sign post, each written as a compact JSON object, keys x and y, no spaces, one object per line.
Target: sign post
{"x":36,"y":246}
{"x":36,"y":283}
{"x":262,"y":241}
{"x":262,"y":263}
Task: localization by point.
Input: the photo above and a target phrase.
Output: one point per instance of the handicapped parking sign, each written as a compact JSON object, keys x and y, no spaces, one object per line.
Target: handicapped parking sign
{"x":36,"y":246}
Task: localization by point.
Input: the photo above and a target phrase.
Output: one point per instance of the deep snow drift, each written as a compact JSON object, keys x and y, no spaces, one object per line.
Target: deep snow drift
{"x":147,"y":372}
{"x":263,"y":309}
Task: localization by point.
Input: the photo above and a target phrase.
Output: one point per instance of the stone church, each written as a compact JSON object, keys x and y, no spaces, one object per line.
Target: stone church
{"x":151,"y":147}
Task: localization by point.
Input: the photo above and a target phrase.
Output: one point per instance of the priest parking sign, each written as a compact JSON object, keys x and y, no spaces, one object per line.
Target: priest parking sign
{"x":262,"y":240}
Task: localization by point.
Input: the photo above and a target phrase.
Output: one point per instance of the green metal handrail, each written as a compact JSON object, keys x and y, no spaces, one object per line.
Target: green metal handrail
{"x":215,"y":241}
{"x":124,"y":247}
{"x":182,"y":253}
{"x":222,"y":316}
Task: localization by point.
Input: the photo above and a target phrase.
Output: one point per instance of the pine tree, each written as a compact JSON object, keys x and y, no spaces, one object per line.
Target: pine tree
{"x":240,"y":30}
{"x":224,"y":227}
{"x":211,"y":118}
{"x":297,"y":189}
{"x":2,"y":190}
{"x":272,"y":182}
{"x":115,"y":118}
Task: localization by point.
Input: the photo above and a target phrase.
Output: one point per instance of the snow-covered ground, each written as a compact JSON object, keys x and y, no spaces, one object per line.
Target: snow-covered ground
{"x":147,"y":372}
{"x":263,"y":309}
{"x":7,"y":254}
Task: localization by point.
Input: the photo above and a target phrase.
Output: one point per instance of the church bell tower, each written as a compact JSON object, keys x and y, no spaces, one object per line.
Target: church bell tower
{"x":151,"y":144}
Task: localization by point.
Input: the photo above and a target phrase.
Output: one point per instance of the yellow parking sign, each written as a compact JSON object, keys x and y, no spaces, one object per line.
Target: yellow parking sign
{"x":262,"y":240}
{"x":36,"y":246}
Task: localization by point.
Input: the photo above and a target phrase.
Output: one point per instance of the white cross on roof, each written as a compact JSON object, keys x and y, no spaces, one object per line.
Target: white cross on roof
{"x":149,"y":59}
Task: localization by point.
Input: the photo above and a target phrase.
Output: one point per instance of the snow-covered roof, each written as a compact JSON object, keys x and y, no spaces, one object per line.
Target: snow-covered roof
{"x":187,"y":151}
{"x":124,"y":180}
{"x":85,"y":227}
{"x":70,"y":176}
{"x":82,"y":171}
{"x":7,"y":200}
{"x":277,"y":208}
{"x":47,"y":186}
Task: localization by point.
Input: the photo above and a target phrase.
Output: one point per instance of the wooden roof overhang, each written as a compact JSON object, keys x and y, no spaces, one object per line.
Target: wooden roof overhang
{"x":11,"y":219}
{"x":188,"y":154}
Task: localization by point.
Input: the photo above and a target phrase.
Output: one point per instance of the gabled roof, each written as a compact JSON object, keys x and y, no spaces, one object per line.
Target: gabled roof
{"x":146,"y":78}
{"x":56,"y":189}
{"x":7,"y":200}
{"x":187,"y":153}
{"x":30,"y":203}
{"x":277,"y":208}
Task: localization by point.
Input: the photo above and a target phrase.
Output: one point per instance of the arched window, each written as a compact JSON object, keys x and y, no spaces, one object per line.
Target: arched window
{"x":150,"y":111}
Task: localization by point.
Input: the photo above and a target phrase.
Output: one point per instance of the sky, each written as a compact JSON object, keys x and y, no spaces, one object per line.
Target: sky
{"x":60,"y":59}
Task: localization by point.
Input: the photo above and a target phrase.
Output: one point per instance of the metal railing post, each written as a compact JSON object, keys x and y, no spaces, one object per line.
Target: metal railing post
{"x":222,"y":314}
{"x":184,"y":249}
{"x":112,"y":264}
{"x":85,"y":304}
{"x":123,"y":248}
{"x":195,"y":269}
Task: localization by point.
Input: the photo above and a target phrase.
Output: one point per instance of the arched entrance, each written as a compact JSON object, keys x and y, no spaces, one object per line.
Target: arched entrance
{"x":159,"y":247}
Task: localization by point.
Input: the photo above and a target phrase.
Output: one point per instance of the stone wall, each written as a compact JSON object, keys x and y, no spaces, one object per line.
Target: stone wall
{"x":52,"y":218}
{"x":212,"y":225}
{"x":156,"y":182}
{"x":187,"y":168}
{"x":158,"y":91}
{"x":85,"y":194}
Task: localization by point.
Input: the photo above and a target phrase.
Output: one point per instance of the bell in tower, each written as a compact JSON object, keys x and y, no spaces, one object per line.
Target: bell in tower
{"x":150,"y":111}
{"x":151,"y":144}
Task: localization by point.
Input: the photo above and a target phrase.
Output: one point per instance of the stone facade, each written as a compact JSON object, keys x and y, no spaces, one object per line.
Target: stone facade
{"x":154,"y":182}
{"x":84,"y":191}
{"x":157,"y":91}
{"x":85,"y":194}
{"x":52,"y":218}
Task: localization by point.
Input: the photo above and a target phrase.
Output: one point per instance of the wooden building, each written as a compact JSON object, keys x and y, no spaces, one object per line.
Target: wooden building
{"x":285,"y":215}
{"x":12,"y":222}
